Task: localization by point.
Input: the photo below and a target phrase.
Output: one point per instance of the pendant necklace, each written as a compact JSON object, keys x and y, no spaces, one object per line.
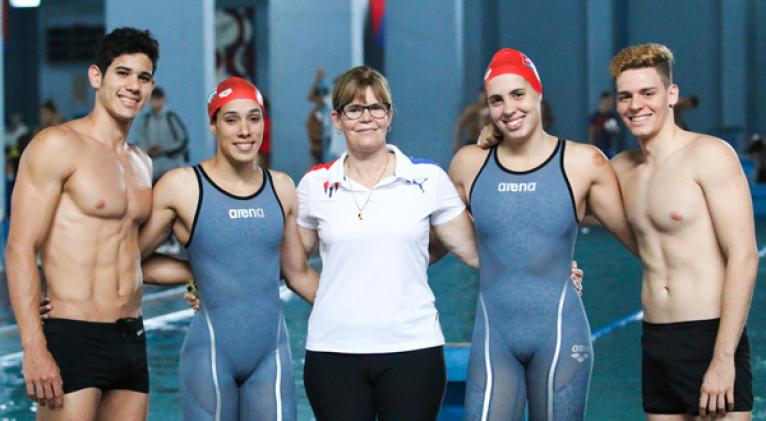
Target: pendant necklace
{"x":360,"y":209}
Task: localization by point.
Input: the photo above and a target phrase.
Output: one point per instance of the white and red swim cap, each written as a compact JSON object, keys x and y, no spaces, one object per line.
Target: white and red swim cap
{"x":513,"y":61}
{"x":230,"y":89}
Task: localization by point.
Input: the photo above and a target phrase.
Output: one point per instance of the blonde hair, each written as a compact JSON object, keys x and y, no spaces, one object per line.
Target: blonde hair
{"x":657,"y":56}
{"x":354,"y":82}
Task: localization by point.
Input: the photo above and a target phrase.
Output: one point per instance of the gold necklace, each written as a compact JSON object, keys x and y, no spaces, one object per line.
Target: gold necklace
{"x":359,"y":209}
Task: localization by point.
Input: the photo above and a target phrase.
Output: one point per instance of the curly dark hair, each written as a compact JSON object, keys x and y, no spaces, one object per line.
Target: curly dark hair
{"x":126,"y":41}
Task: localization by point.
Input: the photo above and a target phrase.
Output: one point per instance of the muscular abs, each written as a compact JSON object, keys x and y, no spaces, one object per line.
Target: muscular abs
{"x":91,"y":256}
{"x":683,"y":264}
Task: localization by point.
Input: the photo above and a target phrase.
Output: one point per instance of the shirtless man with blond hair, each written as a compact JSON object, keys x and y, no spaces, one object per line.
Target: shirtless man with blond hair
{"x":688,"y":203}
{"x":81,"y":195}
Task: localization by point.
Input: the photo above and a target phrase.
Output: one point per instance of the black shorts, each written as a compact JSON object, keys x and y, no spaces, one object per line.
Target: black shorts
{"x":107,"y":356}
{"x":675,"y":359}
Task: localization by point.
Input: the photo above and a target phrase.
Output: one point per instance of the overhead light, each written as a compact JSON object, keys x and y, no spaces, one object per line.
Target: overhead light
{"x":25,"y":3}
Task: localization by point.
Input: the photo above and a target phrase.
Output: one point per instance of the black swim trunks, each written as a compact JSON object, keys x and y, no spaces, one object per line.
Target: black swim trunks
{"x":107,"y":356}
{"x":675,"y":359}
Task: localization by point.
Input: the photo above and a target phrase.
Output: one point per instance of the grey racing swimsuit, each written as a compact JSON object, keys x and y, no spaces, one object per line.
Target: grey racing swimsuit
{"x":235,"y":360}
{"x":531,"y":339}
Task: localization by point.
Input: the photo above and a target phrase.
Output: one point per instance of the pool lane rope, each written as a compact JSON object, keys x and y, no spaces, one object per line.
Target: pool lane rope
{"x":14,"y":359}
{"x":617,"y":324}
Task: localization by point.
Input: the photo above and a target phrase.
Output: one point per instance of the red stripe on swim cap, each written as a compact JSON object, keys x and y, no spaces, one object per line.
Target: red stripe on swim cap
{"x":230,"y":89}
{"x":513,"y":61}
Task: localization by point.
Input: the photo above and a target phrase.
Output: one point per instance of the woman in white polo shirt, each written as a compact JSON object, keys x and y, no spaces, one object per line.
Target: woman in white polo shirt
{"x":375,"y":345}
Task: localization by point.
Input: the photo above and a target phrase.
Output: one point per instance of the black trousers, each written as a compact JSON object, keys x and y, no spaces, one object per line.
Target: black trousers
{"x":390,"y":386}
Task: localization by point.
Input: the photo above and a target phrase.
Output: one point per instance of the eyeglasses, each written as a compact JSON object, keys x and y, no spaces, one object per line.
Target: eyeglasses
{"x":377,"y":110}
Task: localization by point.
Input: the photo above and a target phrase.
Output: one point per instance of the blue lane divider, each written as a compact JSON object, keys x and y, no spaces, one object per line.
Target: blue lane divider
{"x":633,"y":317}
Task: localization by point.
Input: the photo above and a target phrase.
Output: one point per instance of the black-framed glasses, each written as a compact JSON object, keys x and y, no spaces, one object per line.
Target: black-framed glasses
{"x":377,"y":110}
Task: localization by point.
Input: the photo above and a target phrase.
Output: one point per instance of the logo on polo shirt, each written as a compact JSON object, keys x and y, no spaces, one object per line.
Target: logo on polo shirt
{"x":419,"y":183}
{"x":516,"y":187}
{"x":329,"y":188}
{"x":246,"y":213}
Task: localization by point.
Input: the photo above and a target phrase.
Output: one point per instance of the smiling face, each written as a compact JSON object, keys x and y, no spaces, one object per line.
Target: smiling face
{"x":238,"y":128}
{"x":124,"y":88}
{"x":365,"y":134}
{"x":514,"y":106}
{"x":644,"y":101}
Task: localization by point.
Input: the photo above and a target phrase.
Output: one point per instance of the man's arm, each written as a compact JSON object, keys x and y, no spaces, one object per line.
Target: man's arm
{"x":171,"y":188}
{"x":489,"y":136}
{"x":726,"y":191}
{"x":46,"y":165}
{"x":300,"y":277}
{"x":159,"y":269}
{"x":603,"y":197}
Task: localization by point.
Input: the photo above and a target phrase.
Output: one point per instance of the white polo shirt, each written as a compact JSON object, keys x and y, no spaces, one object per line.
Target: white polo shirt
{"x":373,"y":292}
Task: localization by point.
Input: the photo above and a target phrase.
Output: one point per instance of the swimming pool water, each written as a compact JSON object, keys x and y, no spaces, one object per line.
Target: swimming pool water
{"x":612,"y":290}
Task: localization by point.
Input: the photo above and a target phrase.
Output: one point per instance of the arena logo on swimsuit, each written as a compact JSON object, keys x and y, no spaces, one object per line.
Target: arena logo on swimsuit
{"x":246,"y":213}
{"x":516,"y":187}
{"x":580,"y":353}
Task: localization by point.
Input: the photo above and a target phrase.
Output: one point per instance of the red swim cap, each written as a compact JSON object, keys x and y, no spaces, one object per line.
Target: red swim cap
{"x":230,"y":89}
{"x":509,"y":60}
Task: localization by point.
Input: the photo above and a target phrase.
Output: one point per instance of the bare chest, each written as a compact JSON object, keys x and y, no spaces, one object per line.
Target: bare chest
{"x":664,"y":200}
{"x":108,"y":186}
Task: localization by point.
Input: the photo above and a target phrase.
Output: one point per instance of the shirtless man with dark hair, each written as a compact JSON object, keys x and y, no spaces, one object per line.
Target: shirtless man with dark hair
{"x":687,"y":201}
{"x":81,"y":195}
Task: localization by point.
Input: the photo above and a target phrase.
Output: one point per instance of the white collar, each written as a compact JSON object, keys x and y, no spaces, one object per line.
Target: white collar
{"x":405,"y":169}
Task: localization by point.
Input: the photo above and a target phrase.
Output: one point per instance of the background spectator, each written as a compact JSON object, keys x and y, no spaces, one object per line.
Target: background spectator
{"x":162,"y":135}
{"x":684,"y":104}
{"x":16,"y":128}
{"x":469,"y":124}
{"x":49,"y":116}
{"x":603,"y":127}
{"x":318,"y":120}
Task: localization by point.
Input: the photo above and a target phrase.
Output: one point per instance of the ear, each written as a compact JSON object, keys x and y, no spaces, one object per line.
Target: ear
{"x":336,"y":120}
{"x":213,"y":129}
{"x":673,"y":93}
{"x":94,"y":76}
